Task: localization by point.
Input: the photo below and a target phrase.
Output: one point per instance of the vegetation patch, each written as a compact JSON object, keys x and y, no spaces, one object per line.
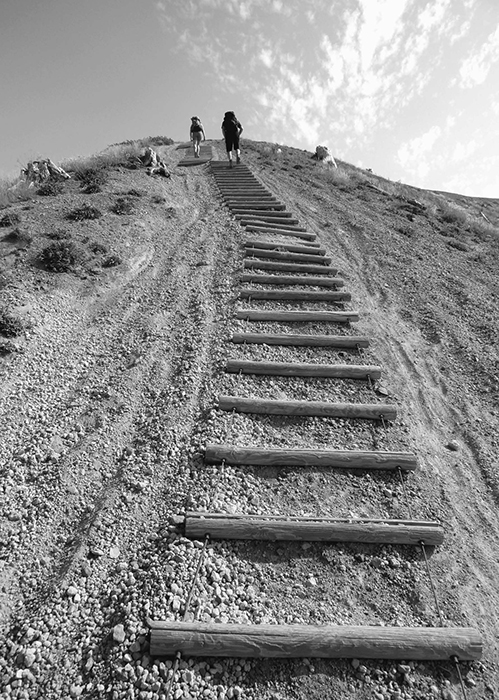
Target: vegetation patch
{"x":458,"y":245}
{"x":452,"y":215}
{"x":51,"y":188}
{"x":7,"y":347}
{"x":59,"y":234}
{"x":61,"y":256}
{"x":112,"y":261}
{"x":84,"y":212}
{"x":9,"y":219}
{"x":18,"y":237}
{"x":10,"y":326}
{"x":123,"y":206}
{"x":98,"y":248}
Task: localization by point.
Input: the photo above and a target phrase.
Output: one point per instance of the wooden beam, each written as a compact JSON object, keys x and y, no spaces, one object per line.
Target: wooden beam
{"x":315,"y":641}
{"x":250,"y":263}
{"x":291,"y":257}
{"x":288,"y":279}
{"x":239,"y":207}
{"x":309,"y":248}
{"x":303,"y":369}
{"x":255,"y":217}
{"x":263,"y":195}
{"x":298,"y":316}
{"x":324,"y":409}
{"x":336,"y":459}
{"x":281,"y":231}
{"x":198,"y":525}
{"x":335,"y":341}
{"x":290,"y":295}
{"x":250,"y":212}
{"x":274,"y":227}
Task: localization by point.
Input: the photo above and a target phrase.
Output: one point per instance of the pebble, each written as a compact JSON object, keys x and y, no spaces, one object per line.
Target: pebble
{"x":119,"y":633}
{"x":452,"y":445}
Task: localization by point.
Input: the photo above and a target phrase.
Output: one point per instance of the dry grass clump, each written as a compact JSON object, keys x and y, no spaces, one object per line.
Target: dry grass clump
{"x":14,"y":190}
{"x":337,"y":177}
{"x":61,"y":256}
{"x":50,"y":188}
{"x":123,"y":206}
{"x":9,"y":219}
{"x":84,"y":212}
{"x":111,"y":261}
{"x":18,"y":237}
{"x":10,"y":325}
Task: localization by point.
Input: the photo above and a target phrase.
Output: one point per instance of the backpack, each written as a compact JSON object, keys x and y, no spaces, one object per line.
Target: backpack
{"x":230,"y":122}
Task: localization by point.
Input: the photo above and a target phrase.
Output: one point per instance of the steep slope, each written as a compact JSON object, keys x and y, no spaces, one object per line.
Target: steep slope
{"x":110,"y":395}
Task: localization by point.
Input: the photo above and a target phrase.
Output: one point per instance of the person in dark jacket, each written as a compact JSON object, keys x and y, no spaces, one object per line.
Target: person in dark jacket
{"x":197,"y":135}
{"x":232,"y":130}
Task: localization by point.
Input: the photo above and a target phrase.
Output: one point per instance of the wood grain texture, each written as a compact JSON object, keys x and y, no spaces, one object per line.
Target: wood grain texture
{"x":293,"y":530}
{"x":257,"y":217}
{"x":289,"y":267}
{"x":290,"y":295}
{"x":310,"y":249}
{"x":298,"y":316}
{"x":302,"y":369}
{"x":338,"y":341}
{"x":290,"y":280}
{"x":283,"y":457}
{"x":238,"y":206}
{"x":308,"y":408}
{"x":273,"y":227}
{"x":315,"y":641}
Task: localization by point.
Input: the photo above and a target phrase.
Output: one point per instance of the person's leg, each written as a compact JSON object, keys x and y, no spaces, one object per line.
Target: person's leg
{"x":237,"y":150}
{"x":228,"y":146}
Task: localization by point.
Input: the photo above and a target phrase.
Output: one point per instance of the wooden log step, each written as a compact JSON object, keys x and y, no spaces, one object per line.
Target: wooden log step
{"x":262,"y":195}
{"x":249,"y":212}
{"x":276,"y":227}
{"x":309,"y":248}
{"x":324,"y":409}
{"x":303,"y":369}
{"x":255,"y":217}
{"x":298,"y":316}
{"x":337,"y":459}
{"x":290,"y":257}
{"x":198,"y":525}
{"x":250,"y":263}
{"x":288,"y":232}
{"x":241,"y":207}
{"x":289,"y":279}
{"x":335,"y":341}
{"x":314,"y":641}
{"x":290,"y":295}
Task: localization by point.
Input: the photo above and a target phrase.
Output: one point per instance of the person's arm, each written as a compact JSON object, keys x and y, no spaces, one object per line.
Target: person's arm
{"x":240,"y":129}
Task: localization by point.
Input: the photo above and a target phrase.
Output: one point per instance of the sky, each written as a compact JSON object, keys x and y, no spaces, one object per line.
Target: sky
{"x":408,"y":88}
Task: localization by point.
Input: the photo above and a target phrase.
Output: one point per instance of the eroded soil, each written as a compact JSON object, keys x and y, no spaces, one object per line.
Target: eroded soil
{"x":110,"y":395}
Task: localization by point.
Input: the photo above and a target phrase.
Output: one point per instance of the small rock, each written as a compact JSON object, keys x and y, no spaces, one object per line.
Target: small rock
{"x":119,"y":633}
{"x":114,"y":552}
{"x":71,"y":591}
{"x":448,"y":694}
{"x":452,"y":445}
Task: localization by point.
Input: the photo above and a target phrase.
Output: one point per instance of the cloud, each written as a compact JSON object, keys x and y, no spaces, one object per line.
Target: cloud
{"x":475,"y":68}
{"x":413,"y":155}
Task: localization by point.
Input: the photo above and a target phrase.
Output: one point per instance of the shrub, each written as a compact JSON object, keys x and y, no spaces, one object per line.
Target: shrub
{"x":91,"y":178}
{"x":7,"y":347}
{"x":58,"y":235}
{"x":97,"y":247}
{"x":19,"y":237}
{"x":10,"y":326}
{"x":9,"y":219}
{"x":84,"y":212}
{"x":458,"y":245}
{"x":111,"y":261}
{"x":451,"y":214}
{"x":123,"y":206}
{"x":338,"y":178}
{"x":50,"y":188}
{"x":61,"y":256}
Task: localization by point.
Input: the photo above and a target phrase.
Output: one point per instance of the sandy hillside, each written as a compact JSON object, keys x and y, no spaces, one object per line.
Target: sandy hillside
{"x":110,"y":374}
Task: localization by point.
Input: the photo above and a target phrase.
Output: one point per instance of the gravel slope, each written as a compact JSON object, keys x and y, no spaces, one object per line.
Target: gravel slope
{"x":111,"y":396}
